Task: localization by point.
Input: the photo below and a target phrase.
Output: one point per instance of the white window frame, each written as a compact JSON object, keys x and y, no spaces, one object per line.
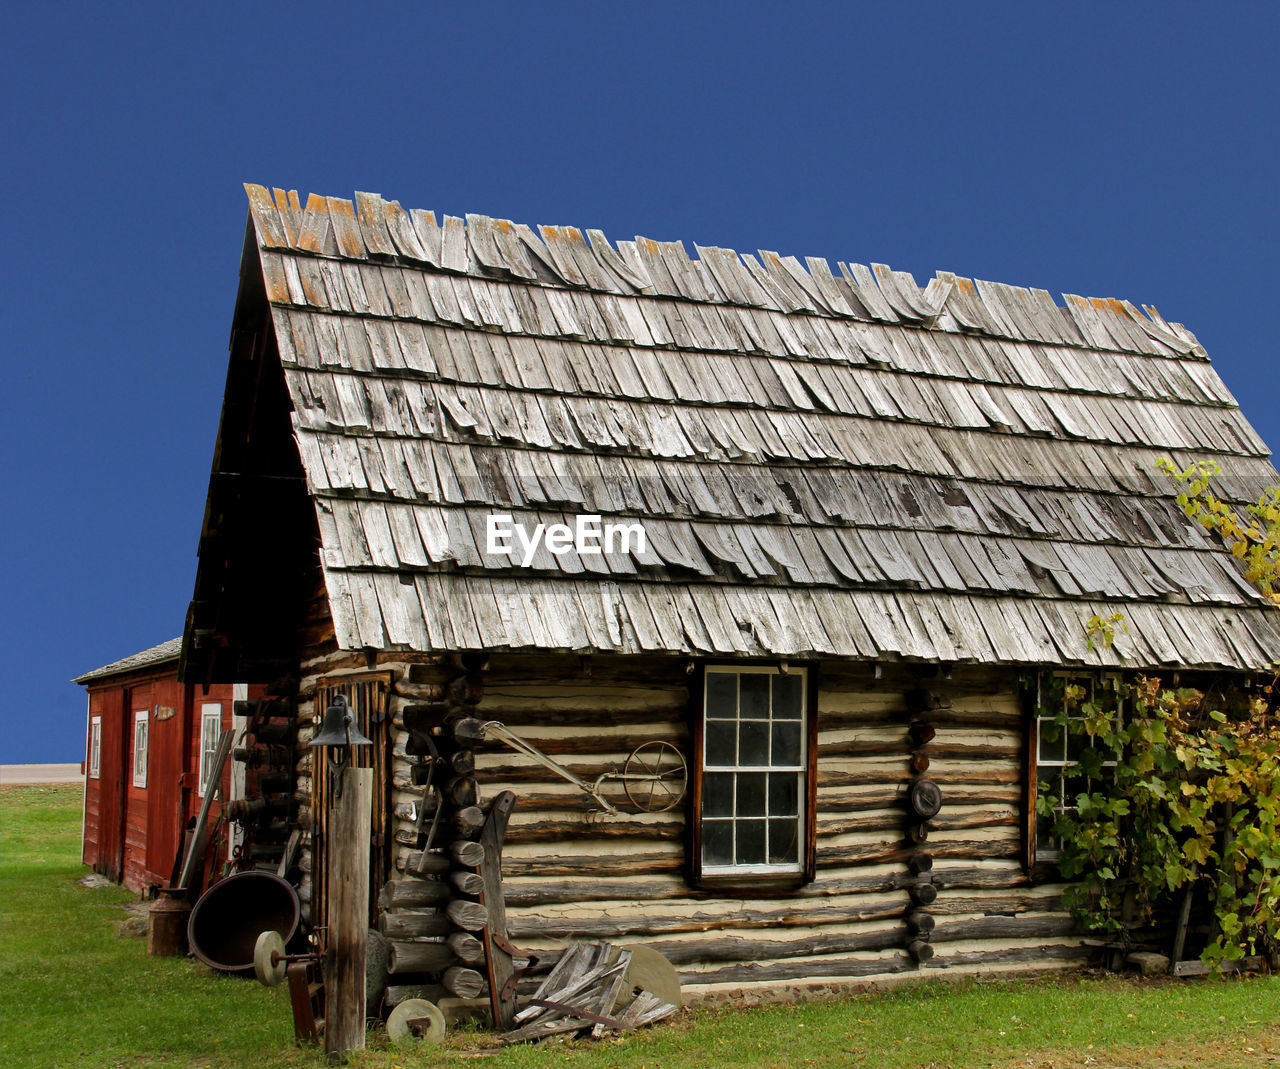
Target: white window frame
{"x":210,"y":733}
{"x":800,"y":769}
{"x":141,"y":737}
{"x":95,"y":747}
{"x":1048,"y":849}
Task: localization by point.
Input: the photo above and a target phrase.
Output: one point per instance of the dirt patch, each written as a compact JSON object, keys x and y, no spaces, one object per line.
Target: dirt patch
{"x":1245,"y":1050}
{"x":135,"y":921}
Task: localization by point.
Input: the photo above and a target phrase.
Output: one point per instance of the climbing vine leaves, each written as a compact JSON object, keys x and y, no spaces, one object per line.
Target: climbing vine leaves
{"x":1101,"y":630}
{"x":1174,"y":786}
{"x":1174,"y":791}
{"x":1254,"y":538}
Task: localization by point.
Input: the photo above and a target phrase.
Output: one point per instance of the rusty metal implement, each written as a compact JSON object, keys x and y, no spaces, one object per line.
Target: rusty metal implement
{"x":654,"y":774}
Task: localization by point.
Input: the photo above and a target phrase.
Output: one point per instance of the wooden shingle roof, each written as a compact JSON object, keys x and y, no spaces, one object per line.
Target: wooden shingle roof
{"x":825,"y":462}
{"x":156,"y":655}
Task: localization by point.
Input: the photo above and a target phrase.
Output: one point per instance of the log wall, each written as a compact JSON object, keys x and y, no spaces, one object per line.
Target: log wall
{"x":573,"y":873}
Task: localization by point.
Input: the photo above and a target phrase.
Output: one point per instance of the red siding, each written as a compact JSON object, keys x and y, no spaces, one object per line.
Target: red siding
{"x":93,"y":792}
{"x":111,"y":786}
{"x":133,"y":834}
{"x":165,"y":778}
{"x":136,"y":699}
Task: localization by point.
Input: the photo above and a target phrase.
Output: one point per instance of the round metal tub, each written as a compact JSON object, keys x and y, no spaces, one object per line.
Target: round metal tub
{"x":229,"y":917}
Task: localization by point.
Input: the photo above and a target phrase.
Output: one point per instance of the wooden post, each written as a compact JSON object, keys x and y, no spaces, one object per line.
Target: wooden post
{"x":1184,"y":918}
{"x":348,"y":915}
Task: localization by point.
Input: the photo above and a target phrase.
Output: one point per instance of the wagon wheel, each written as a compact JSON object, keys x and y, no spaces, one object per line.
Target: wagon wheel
{"x":654,"y":777}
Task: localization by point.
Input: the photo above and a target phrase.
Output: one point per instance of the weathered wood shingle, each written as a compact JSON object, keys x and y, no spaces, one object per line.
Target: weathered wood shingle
{"x":836,"y":463}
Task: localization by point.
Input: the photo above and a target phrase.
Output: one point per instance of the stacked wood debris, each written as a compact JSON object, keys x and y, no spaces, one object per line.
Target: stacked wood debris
{"x":589,"y":993}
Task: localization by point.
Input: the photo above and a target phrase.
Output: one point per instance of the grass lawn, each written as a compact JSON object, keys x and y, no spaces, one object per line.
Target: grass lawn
{"x":75,"y":993}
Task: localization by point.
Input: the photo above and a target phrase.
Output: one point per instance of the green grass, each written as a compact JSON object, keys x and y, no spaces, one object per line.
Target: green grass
{"x":75,"y":993}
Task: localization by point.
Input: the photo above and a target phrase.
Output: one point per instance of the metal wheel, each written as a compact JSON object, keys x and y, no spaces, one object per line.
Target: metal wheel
{"x":649,"y":971}
{"x":416,"y":1021}
{"x":267,"y":952}
{"x":654,"y":777}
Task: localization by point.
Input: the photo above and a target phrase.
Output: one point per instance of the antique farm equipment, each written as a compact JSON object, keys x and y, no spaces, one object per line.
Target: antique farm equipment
{"x":226,"y":922}
{"x":499,"y":955}
{"x":415,"y":1022}
{"x":271,"y":960}
{"x":649,"y":970}
{"x":272,"y":965}
{"x":194,"y":857}
{"x":653,"y":776}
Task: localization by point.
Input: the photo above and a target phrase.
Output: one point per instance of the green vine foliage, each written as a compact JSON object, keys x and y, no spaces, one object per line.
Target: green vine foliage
{"x":1254,"y":538}
{"x":1175,"y":787}
{"x":1173,"y":790}
{"x":1101,"y":630}
{"x":1169,"y":787}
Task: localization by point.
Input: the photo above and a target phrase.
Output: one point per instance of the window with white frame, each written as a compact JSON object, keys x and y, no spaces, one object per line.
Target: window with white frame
{"x":754,"y":764}
{"x":140,"y":722}
{"x":95,"y":747}
{"x":210,"y":732}
{"x":1061,"y":741}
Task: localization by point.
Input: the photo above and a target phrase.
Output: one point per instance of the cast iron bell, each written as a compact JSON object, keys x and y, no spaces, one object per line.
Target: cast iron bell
{"x":339,"y":727}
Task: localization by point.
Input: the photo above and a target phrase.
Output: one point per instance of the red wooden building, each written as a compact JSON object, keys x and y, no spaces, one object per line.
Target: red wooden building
{"x":149,"y":745}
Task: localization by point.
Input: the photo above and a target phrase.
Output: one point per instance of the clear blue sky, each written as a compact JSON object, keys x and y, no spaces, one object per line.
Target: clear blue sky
{"x":1124,"y":150}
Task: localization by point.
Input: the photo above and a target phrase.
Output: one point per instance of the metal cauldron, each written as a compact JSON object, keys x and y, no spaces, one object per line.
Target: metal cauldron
{"x":229,"y":917}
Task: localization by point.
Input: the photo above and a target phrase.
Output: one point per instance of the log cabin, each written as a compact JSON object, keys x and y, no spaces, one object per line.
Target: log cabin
{"x":149,"y":746}
{"x":874,"y":515}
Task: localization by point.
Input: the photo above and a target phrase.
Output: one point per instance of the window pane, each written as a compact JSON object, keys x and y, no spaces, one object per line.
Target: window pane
{"x":753,"y":742}
{"x":209,"y":753}
{"x":1072,"y":788}
{"x":140,"y":751}
{"x":717,"y":842}
{"x":750,"y":847}
{"x":722,"y":695}
{"x":787,"y":691}
{"x":784,"y":841}
{"x":786,"y":743}
{"x":717,"y":794}
{"x":1053,"y":743}
{"x":784,"y":793}
{"x":722,"y":742}
{"x":1044,"y":832}
{"x":1077,"y":741}
{"x":755,"y":696}
{"x":751,"y":794}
